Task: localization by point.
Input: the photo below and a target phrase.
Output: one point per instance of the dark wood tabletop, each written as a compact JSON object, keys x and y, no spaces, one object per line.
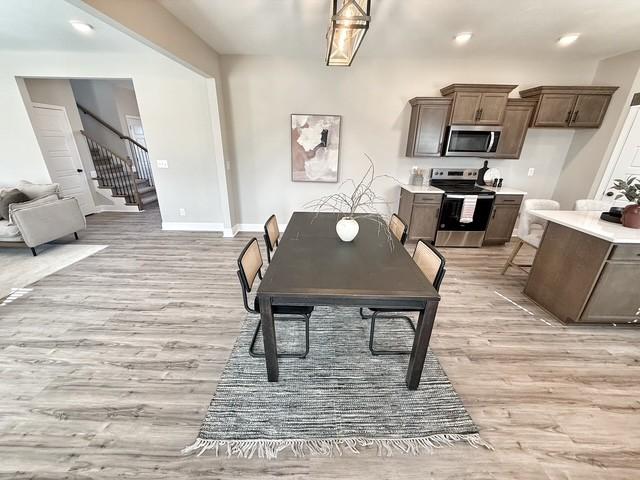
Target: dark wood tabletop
{"x":372,"y":270}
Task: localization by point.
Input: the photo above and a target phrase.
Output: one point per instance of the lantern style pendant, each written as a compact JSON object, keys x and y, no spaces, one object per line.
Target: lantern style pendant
{"x":349,"y":23}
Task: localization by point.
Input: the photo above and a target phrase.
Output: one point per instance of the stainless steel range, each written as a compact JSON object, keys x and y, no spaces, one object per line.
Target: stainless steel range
{"x":466,"y":207}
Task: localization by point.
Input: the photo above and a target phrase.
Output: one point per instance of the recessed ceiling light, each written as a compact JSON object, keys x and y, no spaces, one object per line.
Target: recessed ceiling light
{"x":463,"y":37}
{"x":82,"y":27}
{"x":568,"y":39}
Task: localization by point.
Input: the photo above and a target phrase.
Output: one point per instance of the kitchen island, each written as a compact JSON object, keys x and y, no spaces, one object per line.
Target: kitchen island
{"x":586,"y":270}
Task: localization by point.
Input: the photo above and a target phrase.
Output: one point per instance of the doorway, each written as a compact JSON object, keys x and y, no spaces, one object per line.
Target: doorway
{"x":625,"y":160}
{"x":134,"y":124}
{"x":55,"y":137}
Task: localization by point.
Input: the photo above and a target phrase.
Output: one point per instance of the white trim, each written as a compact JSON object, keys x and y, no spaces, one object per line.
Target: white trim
{"x":117,"y":208}
{"x":194,"y":226}
{"x":254,"y":227}
{"x":617,"y":151}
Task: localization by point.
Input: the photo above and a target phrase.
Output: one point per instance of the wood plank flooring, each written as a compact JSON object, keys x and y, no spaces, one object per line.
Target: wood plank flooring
{"x":107,"y":368}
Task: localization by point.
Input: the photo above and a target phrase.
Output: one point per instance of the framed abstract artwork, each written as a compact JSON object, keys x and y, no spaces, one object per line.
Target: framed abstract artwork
{"x":315,"y":148}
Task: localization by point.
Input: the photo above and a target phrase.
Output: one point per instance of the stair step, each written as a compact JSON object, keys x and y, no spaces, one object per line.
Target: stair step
{"x":144,"y":190}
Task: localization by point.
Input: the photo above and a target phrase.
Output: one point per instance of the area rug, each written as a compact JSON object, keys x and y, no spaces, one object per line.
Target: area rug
{"x":18,"y":268}
{"x":339,"y":398}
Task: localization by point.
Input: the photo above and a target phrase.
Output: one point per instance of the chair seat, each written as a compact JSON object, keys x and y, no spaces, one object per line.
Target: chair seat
{"x":285,"y":309}
{"x":533,"y":239}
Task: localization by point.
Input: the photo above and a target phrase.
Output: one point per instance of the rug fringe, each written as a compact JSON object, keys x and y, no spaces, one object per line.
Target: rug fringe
{"x":270,"y":449}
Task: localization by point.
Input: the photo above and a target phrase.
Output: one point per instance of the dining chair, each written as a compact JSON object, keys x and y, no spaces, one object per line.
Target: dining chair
{"x":271,"y":236}
{"x":398,"y":228}
{"x":526,"y":233}
{"x":432,"y":264}
{"x":249,"y":267}
{"x":589,"y":205}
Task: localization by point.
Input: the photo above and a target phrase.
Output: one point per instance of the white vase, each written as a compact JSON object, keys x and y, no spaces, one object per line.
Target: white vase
{"x":347,"y":229}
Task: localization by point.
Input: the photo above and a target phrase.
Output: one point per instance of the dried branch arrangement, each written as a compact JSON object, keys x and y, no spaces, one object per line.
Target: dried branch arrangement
{"x":363,"y":200}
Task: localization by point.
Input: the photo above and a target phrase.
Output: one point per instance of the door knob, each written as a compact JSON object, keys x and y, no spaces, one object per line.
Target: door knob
{"x":79,"y":170}
{"x":609,"y":194}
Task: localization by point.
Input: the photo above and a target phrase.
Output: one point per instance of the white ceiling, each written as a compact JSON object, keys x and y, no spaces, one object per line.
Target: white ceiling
{"x":419,"y":28}
{"x":44,"y":25}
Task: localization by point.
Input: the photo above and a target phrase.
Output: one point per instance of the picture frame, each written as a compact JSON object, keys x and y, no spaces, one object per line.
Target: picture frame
{"x":315,"y":147}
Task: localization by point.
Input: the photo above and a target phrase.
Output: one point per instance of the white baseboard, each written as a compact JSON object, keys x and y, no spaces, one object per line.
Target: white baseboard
{"x":194,"y":227}
{"x":117,"y":208}
{"x":254,"y":227}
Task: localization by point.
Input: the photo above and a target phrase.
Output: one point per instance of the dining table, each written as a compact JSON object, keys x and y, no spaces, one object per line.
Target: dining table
{"x":313,"y":267}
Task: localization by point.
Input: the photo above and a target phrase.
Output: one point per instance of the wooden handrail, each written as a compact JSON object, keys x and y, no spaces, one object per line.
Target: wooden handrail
{"x":109,"y":127}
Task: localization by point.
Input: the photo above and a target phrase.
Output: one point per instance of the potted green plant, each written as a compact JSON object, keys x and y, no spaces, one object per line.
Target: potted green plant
{"x":630,"y":189}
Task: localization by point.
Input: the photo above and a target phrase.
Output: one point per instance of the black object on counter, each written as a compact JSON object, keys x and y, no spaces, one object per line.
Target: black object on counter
{"x":614,"y":215}
{"x":500,"y":183}
{"x":481,"y":172}
{"x":495,"y":182}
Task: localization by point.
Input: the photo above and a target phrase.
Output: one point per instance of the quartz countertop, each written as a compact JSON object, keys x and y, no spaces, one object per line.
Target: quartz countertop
{"x":591,"y":224}
{"x":421,"y":189}
{"x":504,"y":190}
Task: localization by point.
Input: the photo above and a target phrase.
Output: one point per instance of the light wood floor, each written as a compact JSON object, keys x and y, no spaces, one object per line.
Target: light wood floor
{"x":107,"y":368}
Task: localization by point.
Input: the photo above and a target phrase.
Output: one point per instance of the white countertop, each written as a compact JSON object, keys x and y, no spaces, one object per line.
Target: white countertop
{"x":504,"y":190}
{"x":430,"y":189}
{"x":591,"y":224}
{"x":421,"y":189}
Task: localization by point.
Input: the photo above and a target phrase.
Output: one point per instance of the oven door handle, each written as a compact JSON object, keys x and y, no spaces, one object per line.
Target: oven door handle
{"x":479,"y":195}
{"x":493,"y":139}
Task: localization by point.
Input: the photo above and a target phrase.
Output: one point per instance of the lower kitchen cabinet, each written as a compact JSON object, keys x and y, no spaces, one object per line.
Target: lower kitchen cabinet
{"x":420,"y":211}
{"x":503,"y":219}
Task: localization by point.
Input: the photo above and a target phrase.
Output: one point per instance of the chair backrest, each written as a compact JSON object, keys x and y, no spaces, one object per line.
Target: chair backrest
{"x":398,"y":228}
{"x":527,"y":220}
{"x":249,"y":264}
{"x":271,"y":235}
{"x":588,"y":204}
{"x":431,"y":262}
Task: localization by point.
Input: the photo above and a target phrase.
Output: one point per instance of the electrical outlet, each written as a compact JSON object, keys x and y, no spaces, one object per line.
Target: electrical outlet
{"x":182,"y":212}
{"x":163,"y":164}
{"x":531,"y":172}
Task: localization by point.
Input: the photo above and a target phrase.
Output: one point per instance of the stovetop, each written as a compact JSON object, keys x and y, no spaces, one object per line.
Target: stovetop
{"x":457,"y":180}
{"x":460,"y":187}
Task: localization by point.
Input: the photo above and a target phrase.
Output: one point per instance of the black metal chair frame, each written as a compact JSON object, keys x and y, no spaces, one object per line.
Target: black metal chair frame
{"x":405,"y":233}
{"x":246,"y":289}
{"x":381,"y":313}
{"x":267,"y":240}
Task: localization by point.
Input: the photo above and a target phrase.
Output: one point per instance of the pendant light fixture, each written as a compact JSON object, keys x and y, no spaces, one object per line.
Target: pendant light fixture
{"x":349,"y":23}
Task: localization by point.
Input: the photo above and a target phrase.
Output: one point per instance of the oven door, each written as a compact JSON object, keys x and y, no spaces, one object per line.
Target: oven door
{"x":472,"y":141}
{"x":452,"y":208}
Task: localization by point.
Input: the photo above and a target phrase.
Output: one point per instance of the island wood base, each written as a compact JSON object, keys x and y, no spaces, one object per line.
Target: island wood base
{"x":581,"y":278}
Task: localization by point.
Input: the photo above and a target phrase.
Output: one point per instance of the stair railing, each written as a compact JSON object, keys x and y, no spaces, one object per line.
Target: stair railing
{"x":114,"y":172}
{"x":140,"y":162}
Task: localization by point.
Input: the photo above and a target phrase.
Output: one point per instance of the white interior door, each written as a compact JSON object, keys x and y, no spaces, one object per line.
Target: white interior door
{"x":625,"y":161}
{"x":60,"y":152}
{"x":135,"y":129}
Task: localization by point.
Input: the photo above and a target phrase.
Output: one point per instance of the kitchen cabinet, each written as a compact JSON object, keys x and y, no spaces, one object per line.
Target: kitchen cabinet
{"x":569,"y":107}
{"x":503,"y":219}
{"x":517,"y":117}
{"x":477,"y":104}
{"x":429,"y":116}
{"x":420,"y":211}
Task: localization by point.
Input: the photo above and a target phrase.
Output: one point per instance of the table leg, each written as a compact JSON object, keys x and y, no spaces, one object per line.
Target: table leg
{"x":421,"y":344}
{"x":269,"y":337}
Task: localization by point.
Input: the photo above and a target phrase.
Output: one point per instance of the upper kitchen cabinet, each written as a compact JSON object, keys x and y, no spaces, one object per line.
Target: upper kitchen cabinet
{"x":566,"y":106}
{"x":517,"y":118}
{"x":477,"y":104}
{"x":429,"y":116}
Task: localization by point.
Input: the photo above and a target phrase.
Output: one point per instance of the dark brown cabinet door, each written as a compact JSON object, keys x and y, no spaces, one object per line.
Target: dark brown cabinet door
{"x":589,"y":111}
{"x":427,"y":127}
{"x":555,"y":110}
{"x":424,"y":221}
{"x":492,"y":108}
{"x":466,"y":108}
{"x":517,"y":117}
{"x":616,"y":296}
{"x":502,"y":223}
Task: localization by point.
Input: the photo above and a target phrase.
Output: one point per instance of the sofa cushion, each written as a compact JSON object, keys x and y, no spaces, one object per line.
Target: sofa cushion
{"x":9,"y":233}
{"x":7,"y":197}
{"x":38,"y":190}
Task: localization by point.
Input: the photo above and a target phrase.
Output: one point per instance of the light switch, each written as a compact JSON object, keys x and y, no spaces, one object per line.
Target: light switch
{"x":531,"y":172}
{"x":163,"y":164}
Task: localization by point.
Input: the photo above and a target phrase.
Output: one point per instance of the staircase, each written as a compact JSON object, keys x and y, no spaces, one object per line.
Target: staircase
{"x":128,"y":181}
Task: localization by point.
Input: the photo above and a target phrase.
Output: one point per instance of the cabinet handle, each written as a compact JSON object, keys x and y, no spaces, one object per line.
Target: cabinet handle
{"x":575,"y":116}
{"x":479,"y":114}
{"x":566,"y":120}
{"x":494,"y":214}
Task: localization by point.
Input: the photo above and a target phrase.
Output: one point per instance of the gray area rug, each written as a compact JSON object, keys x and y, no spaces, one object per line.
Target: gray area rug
{"x":339,"y":398}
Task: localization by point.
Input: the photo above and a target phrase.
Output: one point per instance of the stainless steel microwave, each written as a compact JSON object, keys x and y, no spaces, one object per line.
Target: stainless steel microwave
{"x":472,"y":141}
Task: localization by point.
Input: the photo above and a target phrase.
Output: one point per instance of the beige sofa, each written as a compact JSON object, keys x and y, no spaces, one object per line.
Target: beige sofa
{"x":47,"y":216}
